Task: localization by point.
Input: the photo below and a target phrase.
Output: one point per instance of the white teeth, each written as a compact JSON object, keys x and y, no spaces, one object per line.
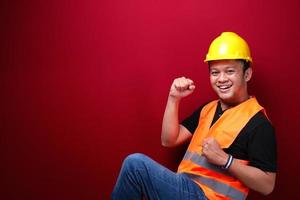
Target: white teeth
{"x":224,"y":87}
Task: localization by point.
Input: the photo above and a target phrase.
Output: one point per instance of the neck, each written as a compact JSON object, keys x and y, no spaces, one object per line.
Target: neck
{"x":226,"y":105}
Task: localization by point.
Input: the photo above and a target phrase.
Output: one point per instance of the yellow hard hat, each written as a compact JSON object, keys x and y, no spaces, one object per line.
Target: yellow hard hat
{"x":228,"y":45}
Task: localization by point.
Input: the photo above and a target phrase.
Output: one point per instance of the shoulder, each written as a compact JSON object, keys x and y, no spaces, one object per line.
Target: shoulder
{"x":191,"y":122}
{"x":197,"y":111}
{"x":261,"y":145}
{"x":259,"y":128}
{"x":259,"y":120}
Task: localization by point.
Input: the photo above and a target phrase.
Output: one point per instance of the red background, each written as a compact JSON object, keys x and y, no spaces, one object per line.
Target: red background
{"x":84,"y":83}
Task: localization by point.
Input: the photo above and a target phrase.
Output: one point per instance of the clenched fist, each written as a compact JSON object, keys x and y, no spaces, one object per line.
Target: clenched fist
{"x":213,"y":152}
{"x":181,"y":87}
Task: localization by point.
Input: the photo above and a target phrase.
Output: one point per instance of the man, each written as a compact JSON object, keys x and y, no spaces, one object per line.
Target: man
{"x":232,"y":143}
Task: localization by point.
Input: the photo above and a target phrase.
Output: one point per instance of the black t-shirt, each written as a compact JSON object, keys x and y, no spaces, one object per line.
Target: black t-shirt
{"x":256,"y":142}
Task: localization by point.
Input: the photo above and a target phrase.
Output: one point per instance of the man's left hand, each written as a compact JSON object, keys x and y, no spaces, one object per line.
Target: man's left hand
{"x":213,"y":152}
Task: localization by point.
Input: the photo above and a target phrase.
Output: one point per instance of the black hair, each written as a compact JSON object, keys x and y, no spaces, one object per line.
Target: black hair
{"x":246,"y":64}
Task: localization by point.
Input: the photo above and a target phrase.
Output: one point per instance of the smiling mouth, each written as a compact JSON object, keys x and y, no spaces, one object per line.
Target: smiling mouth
{"x":224,"y":88}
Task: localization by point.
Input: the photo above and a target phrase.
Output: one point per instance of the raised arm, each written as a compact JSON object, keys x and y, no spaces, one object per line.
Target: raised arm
{"x":173,"y":133}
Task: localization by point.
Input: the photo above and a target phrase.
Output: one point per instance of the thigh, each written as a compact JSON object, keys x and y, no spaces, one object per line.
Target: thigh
{"x":158,"y":182}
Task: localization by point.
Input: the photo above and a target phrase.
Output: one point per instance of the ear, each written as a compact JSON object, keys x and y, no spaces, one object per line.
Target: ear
{"x":248,"y":74}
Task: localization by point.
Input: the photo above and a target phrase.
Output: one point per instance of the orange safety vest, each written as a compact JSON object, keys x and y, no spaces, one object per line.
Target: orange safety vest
{"x":216,"y":182}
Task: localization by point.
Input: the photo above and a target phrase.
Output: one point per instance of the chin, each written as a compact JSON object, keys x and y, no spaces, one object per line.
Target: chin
{"x":229,"y":100}
{"x":225,"y":97}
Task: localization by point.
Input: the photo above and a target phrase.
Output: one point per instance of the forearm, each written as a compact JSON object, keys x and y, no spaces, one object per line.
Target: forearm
{"x":170,"y":124}
{"x":253,"y":177}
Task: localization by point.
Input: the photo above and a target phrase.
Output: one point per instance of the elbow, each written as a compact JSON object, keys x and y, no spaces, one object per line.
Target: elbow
{"x":268,"y":190}
{"x":167,"y":142}
{"x":268,"y":184}
{"x":164,"y":144}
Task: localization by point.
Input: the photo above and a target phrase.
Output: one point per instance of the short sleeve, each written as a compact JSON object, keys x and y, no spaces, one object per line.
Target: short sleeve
{"x":191,"y":122}
{"x":262,"y":148}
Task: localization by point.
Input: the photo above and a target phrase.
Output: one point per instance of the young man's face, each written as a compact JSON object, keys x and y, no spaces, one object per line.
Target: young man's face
{"x":229,"y":81}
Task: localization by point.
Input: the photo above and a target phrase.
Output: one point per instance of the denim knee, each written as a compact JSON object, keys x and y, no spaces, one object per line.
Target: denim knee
{"x":134,"y":160}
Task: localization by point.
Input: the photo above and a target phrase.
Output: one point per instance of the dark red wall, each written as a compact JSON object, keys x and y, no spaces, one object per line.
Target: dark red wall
{"x":84,"y":83}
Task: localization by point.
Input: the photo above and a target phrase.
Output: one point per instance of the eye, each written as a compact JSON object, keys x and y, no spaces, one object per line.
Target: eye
{"x":214,"y":73}
{"x":230,"y":71}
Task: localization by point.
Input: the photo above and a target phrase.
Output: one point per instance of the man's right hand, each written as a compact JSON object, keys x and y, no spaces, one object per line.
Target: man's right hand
{"x":181,"y":87}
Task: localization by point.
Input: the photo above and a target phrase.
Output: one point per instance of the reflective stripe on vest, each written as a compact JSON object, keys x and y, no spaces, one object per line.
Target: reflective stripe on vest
{"x":219,"y":187}
{"x":202,"y":161}
{"x":217,"y":183}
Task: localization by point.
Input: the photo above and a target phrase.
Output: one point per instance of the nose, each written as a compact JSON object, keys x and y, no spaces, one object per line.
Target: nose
{"x":222,"y":77}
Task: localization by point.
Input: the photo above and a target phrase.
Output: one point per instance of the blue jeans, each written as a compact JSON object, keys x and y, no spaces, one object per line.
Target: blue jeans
{"x":140,"y":177}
